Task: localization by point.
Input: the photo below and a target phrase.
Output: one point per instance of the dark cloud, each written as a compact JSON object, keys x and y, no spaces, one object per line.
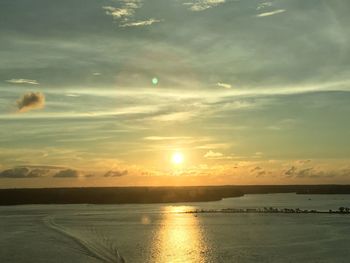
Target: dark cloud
{"x":291,"y":171}
{"x":22,"y":172}
{"x":305,"y":172}
{"x":255,"y":169}
{"x":258,"y":171}
{"x":45,"y":167}
{"x":261,"y":173}
{"x":313,"y":172}
{"x":30,"y":101}
{"x":15,"y":173}
{"x":301,"y":173}
{"x":304,"y":161}
{"x":37,"y":173}
{"x":116,"y":173}
{"x":68,"y":173}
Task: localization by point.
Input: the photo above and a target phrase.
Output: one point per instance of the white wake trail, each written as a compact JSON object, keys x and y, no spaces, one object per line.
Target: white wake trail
{"x":101,"y":248}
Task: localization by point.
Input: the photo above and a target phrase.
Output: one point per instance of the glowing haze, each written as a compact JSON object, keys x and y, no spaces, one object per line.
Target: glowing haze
{"x":133,"y":92}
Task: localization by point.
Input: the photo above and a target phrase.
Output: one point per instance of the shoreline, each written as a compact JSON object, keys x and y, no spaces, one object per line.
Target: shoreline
{"x":270,"y":210}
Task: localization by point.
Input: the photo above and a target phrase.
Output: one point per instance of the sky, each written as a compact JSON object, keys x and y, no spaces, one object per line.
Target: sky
{"x":106,"y":92}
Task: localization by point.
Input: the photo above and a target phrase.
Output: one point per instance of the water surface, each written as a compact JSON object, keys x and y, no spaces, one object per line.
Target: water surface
{"x":163,"y":233}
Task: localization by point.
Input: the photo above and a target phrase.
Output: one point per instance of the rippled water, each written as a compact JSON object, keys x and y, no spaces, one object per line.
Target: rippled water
{"x":163,"y":233}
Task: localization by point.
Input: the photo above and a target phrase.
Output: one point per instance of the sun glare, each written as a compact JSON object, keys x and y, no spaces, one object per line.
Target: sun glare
{"x":177,"y":158}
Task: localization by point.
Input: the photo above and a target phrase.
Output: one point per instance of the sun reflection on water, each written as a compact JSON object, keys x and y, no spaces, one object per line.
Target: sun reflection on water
{"x":179,"y":238}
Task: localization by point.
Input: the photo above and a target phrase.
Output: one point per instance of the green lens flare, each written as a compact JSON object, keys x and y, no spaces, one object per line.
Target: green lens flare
{"x":155,"y":81}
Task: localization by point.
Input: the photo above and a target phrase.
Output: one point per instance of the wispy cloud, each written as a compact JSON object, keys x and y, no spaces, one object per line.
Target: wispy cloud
{"x":30,"y":101}
{"x":68,"y":173}
{"x":165,"y":138}
{"x":314,"y":172}
{"x":126,"y":10}
{"x":283,"y":124}
{"x":118,"y":12}
{"x":264,"y":5}
{"x":257,"y":171}
{"x":224,"y":85}
{"x":211,"y":146}
{"x":275,"y":12}
{"x":125,"y":14}
{"x":201,"y":5}
{"x":302,"y":162}
{"x":72,"y":95}
{"x":45,"y":167}
{"x":23,"y":81}
{"x":141,"y":23}
{"x":174,"y":116}
{"x":213,"y":155}
{"x":116,"y":173}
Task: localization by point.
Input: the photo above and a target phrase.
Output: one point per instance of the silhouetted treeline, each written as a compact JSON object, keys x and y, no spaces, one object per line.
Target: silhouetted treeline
{"x":114,"y":195}
{"x":271,"y":210}
{"x":124,"y":195}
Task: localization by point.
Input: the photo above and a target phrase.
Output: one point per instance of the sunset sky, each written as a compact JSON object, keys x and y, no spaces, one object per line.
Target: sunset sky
{"x":176,"y":92}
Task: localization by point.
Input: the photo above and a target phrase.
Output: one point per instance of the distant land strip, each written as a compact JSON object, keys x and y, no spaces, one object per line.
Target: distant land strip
{"x":270,"y":210}
{"x":143,"y":195}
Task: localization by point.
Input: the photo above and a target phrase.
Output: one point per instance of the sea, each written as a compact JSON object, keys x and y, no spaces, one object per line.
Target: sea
{"x":165,"y":233}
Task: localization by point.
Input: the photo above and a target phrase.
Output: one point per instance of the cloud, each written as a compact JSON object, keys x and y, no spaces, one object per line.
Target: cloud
{"x":210,"y":146}
{"x":305,"y":172}
{"x":264,"y":5}
{"x":219,"y":156}
{"x":213,"y":155}
{"x":126,"y":13}
{"x":283,"y":124}
{"x":302,"y":162}
{"x":174,"y":116}
{"x":30,"y":101}
{"x":141,"y":23}
{"x":201,"y":5}
{"x":314,"y":172}
{"x":257,"y":168}
{"x":258,"y":171}
{"x":23,"y":81}
{"x":38,"y":173}
{"x":35,"y":171}
{"x":68,"y":173}
{"x":290,"y":171}
{"x":261,"y":173}
{"x":224,"y":85}
{"x":15,"y":173}
{"x":45,"y":167}
{"x":275,"y":12}
{"x":166,"y":138}
{"x":72,"y":95}
{"x":118,"y":12}
{"x":116,"y":173}
{"x":22,"y":172}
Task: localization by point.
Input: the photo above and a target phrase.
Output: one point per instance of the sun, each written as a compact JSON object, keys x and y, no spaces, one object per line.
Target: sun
{"x":177,"y":158}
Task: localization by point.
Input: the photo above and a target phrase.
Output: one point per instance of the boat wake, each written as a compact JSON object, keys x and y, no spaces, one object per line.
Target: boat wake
{"x":98,"y":246}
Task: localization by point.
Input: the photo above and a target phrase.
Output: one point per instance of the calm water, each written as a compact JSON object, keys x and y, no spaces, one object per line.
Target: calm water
{"x":162,"y":233}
